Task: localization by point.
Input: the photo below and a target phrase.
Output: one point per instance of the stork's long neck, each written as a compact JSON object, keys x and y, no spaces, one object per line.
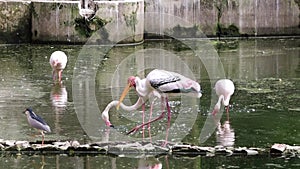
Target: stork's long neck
{"x":142,"y":87}
{"x":218,"y":105}
{"x":105,"y":115}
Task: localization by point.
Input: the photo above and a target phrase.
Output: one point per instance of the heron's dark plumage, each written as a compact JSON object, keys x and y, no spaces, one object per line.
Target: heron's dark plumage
{"x":36,"y":121}
{"x":36,"y":117}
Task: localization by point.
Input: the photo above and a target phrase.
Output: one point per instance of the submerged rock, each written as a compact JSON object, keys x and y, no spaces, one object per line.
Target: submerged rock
{"x":137,"y":149}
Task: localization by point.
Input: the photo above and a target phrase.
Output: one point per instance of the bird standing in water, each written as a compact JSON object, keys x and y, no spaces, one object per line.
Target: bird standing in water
{"x":160,"y":83}
{"x":37,"y":122}
{"x":58,"y":62}
{"x":224,"y":89}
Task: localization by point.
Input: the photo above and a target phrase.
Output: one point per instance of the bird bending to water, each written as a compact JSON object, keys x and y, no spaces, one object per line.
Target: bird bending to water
{"x":105,"y":115}
{"x":58,"y":62}
{"x":37,"y":122}
{"x":224,"y":89}
{"x":161,"y":83}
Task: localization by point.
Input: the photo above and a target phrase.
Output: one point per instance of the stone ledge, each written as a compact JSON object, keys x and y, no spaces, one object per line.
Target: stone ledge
{"x":136,"y":149}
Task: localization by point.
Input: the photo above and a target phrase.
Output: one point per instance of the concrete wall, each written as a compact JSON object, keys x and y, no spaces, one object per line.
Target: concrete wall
{"x":59,"y":21}
{"x":15,"y":19}
{"x":251,"y":17}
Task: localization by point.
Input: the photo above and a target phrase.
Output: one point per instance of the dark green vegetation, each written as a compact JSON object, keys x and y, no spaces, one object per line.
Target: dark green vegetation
{"x":87,"y":27}
{"x":18,"y":29}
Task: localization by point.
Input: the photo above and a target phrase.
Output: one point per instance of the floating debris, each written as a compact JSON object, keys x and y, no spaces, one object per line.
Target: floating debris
{"x":137,"y":149}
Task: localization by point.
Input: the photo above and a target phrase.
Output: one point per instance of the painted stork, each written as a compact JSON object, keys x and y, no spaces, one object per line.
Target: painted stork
{"x":160,"y":83}
{"x":58,"y":62}
{"x":140,"y":102}
{"x":37,"y":122}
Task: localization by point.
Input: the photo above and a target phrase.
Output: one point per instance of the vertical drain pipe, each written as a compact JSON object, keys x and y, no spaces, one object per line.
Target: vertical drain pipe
{"x":87,"y":9}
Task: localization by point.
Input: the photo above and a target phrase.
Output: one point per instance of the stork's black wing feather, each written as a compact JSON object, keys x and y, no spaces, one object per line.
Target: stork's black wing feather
{"x":156,"y":83}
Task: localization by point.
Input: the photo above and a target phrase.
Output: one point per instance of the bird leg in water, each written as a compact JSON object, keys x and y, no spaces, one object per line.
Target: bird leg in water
{"x":169,"y":121}
{"x":53,"y":75}
{"x":43,"y":136}
{"x":59,"y":75}
{"x":143,"y":109}
{"x":150,"y":116}
{"x":142,"y":125}
{"x":227,"y":112}
{"x":169,"y":111}
{"x":158,"y":118}
{"x":150,"y":121}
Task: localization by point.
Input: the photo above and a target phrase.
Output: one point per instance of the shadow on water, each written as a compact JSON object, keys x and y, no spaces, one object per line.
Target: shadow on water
{"x":264,"y":109}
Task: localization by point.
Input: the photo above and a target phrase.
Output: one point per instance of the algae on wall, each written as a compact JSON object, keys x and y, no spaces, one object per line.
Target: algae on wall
{"x":251,"y":18}
{"x":15,"y":19}
{"x":86,"y":28}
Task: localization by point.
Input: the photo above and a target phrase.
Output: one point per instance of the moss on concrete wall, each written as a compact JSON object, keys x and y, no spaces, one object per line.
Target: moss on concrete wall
{"x":61,"y":22}
{"x":15,"y":19}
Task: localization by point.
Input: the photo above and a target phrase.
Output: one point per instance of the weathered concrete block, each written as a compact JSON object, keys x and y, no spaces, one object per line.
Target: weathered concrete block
{"x":15,"y":22}
{"x":229,"y":18}
{"x":61,"y":22}
{"x":124,"y":19}
{"x":55,"y":22}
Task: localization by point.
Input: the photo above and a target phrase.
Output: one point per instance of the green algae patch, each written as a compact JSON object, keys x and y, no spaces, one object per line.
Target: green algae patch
{"x":86,"y":28}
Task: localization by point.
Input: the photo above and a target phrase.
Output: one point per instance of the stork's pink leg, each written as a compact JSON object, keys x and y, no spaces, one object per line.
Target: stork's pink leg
{"x":143,"y":109}
{"x":169,"y":111}
{"x":151,"y":121}
{"x":169,"y":121}
{"x":140,"y":126}
{"x":227,"y":109}
{"x":59,"y":75}
{"x":227,"y":112}
{"x":150,"y":116}
{"x":53,"y":75}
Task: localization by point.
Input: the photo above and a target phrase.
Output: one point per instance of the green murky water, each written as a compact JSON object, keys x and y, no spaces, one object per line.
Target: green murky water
{"x":265,"y":107}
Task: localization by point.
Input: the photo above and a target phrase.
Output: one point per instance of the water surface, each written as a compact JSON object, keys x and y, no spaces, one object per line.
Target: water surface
{"x":265,"y":106}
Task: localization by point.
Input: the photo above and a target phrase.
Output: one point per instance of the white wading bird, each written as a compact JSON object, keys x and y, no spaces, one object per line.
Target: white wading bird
{"x":58,"y":62}
{"x":160,"y":83}
{"x":224,"y":89}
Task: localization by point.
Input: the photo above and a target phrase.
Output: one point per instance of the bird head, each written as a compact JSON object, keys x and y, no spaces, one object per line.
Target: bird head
{"x":56,"y":63}
{"x":131,"y":83}
{"x":27,"y":111}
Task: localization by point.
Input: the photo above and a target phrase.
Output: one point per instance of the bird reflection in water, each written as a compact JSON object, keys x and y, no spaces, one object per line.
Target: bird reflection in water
{"x":225,"y":134}
{"x":59,"y":97}
{"x":149,"y":163}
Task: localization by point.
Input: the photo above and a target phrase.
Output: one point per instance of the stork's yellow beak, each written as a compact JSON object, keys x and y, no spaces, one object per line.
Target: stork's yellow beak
{"x":126,"y":90}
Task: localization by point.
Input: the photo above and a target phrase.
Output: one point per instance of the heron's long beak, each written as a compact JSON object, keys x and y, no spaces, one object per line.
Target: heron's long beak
{"x":126,"y":90}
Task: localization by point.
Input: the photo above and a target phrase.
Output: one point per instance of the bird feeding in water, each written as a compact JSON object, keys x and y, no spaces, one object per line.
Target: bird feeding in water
{"x":37,"y":122}
{"x":163,"y":82}
{"x":224,"y":90}
{"x":58,"y":62}
{"x":140,"y":102}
